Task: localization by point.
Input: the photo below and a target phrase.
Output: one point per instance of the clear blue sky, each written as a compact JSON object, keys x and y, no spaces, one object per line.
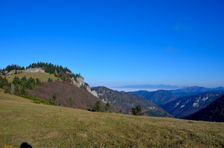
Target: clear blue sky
{"x":119,"y":42}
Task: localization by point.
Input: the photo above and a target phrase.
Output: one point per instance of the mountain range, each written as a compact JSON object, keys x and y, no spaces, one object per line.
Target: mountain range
{"x":57,"y":85}
{"x":213,"y":112}
{"x":161,"y":97}
{"x":124,"y":102}
{"x":185,"y":106}
{"x":182,"y":103}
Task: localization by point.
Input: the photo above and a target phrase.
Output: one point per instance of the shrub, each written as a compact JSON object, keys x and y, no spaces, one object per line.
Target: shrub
{"x":98,"y":107}
{"x":137,"y":110}
{"x":50,"y":80}
{"x":3,"y":82}
{"x":107,"y":107}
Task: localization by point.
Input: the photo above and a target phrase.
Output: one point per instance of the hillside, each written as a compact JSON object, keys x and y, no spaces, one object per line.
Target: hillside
{"x":162,"y":97}
{"x":185,"y":106}
{"x":65,"y":94}
{"x":52,"y":126}
{"x":49,"y":83}
{"x":124,"y":102}
{"x":42,"y":76}
{"x":159,"y":97}
{"x":57,"y":85}
{"x":213,"y":112}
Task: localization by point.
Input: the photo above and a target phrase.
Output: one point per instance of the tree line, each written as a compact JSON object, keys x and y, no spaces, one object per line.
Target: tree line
{"x":63,"y":73}
{"x":19,"y":86}
{"x":13,"y":67}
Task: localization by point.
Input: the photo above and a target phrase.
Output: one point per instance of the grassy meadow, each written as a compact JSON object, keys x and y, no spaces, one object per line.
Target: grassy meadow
{"x":49,"y":126}
{"x":42,"y":76}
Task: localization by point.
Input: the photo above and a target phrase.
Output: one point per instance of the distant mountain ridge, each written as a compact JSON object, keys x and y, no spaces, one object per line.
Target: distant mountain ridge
{"x":213,"y":112}
{"x":194,"y":90}
{"x":182,"y":102}
{"x":125,"y":102}
{"x":185,"y":106}
{"x":161,"y":97}
{"x":148,"y":87}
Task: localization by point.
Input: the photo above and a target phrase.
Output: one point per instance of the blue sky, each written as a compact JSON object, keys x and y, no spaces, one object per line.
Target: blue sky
{"x":119,"y":42}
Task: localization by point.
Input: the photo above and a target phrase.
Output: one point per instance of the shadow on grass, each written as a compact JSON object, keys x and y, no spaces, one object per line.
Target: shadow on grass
{"x":25,"y":145}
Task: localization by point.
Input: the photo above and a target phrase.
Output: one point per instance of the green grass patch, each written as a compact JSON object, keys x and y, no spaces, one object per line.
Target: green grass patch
{"x":43,"y":77}
{"x":38,"y":100}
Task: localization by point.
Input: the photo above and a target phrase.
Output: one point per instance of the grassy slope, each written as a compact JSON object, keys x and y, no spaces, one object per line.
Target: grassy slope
{"x":51,"y":126}
{"x":42,"y":76}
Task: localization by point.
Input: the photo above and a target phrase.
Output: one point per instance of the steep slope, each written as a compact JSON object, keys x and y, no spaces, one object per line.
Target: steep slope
{"x":48,"y":83}
{"x":124,"y":102}
{"x":159,"y":97}
{"x":44,"y":71}
{"x":162,"y":97}
{"x":56,"y":127}
{"x":65,"y":94}
{"x":213,"y":112}
{"x":185,"y":106}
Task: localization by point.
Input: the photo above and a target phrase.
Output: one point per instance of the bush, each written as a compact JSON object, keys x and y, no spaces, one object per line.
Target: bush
{"x":50,"y":80}
{"x":53,"y":99}
{"x":107,"y":107}
{"x":98,"y":107}
{"x":3,"y":82}
{"x":137,"y":110}
{"x":7,"y":89}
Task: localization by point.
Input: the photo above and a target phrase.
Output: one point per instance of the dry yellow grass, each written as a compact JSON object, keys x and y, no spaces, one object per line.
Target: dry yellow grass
{"x":52,"y":126}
